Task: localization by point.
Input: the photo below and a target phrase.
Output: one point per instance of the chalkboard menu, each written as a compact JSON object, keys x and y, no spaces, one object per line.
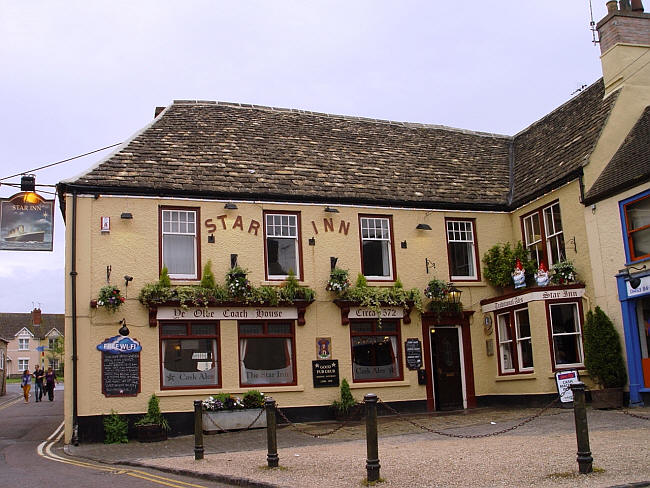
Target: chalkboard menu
{"x":121,"y":374}
{"x":326,"y":372}
{"x":413,"y":348}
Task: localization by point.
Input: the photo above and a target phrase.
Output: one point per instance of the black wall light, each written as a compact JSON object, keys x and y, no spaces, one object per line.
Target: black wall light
{"x":124,"y":330}
{"x":423,"y":227}
{"x":635,"y":281}
{"x":333,"y":261}
{"x":312,"y":241}
{"x":331,"y":209}
{"x":230,"y":206}
{"x":126,"y":215}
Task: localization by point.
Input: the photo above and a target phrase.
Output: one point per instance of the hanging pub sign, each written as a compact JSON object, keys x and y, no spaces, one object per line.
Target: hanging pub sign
{"x":120,"y":366}
{"x":26,"y":223}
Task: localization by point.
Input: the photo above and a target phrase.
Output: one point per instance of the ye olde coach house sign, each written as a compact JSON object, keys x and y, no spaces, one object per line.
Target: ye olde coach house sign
{"x":120,"y":366}
{"x":227,"y":313}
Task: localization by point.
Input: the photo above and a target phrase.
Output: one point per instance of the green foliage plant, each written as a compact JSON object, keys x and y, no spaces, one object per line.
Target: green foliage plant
{"x":253,"y":399}
{"x":603,"y":354}
{"x":374,"y":297}
{"x":499,"y":263}
{"x":164,"y":279}
{"x":346,"y":401}
{"x":207,"y":278}
{"x":153,"y":415}
{"x":110,"y":298}
{"x":563,"y":272}
{"x":116,"y":429}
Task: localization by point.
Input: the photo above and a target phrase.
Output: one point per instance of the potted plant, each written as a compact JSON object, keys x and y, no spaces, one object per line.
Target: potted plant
{"x":346,"y":406}
{"x":564,"y":272}
{"x":153,"y":426}
{"x":499,"y":263}
{"x":223,"y":412}
{"x":110,"y":298}
{"x":339,"y":281}
{"x":604,"y":360}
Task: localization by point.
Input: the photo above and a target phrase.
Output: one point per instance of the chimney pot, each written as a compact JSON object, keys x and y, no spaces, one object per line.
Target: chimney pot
{"x":612,"y":6}
{"x":637,"y":6}
{"x":624,"y":4}
{"x":36,"y":316}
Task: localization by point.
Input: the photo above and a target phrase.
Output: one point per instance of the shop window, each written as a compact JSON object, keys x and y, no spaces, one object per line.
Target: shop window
{"x":23,"y":364}
{"x":266,"y":353}
{"x":179,"y":236}
{"x":376,"y":248}
{"x":190,"y":355}
{"x":543,"y":235}
{"x":515,"y":343}
{"x":636,"y":227}
{"x":282,"y":245}
{"x":566,"y":333}
{"x":375,"y":350}
{"x":23,"y":344}
{"x":461,"y":249}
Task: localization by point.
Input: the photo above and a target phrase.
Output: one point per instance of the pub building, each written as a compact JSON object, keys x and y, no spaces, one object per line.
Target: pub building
{"x":264,"y":193}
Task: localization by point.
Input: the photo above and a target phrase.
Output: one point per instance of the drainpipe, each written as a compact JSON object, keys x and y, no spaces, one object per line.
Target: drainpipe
{"x":73,"y":298}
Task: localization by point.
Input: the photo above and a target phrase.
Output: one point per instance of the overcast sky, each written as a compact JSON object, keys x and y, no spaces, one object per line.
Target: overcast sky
{"x":78,"y":76}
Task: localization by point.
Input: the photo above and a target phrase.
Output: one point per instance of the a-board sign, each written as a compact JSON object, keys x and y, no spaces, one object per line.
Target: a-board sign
{"x":326,"y":372}
{"x":564,"y":380}
{"x":120,"y":366}
{"x":413,"y":349}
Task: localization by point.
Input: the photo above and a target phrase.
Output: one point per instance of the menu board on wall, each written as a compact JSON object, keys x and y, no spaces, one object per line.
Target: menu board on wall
{"x":121,"y":374}
{"x":413,"y":348}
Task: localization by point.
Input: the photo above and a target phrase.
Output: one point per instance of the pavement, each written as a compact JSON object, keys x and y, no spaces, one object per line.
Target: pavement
{"x":528,"y":450}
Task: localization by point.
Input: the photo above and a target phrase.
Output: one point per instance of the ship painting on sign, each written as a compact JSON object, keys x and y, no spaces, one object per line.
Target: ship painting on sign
{"x":18,"y":234}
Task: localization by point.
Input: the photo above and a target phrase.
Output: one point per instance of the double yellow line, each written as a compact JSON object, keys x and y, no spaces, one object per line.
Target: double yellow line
{"x":45,"y":450}
{"x":9,"y":403}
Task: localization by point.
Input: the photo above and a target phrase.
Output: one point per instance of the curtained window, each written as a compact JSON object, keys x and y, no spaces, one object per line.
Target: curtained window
{"x":266,"y":353}
{"x":375,"y":350}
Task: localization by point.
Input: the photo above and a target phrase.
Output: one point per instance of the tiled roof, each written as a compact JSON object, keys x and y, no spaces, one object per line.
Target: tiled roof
{"x":559,"y":145}
{"x":630,"y":165}
{"x":12,"y":323}
{"x":236,"y":151}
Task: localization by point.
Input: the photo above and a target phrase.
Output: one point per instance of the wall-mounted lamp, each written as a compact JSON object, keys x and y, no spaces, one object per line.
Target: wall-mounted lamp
{"x":124,"y":330}
{"x":429,"y":264}
{"x":211,"y":239}
{"x":127,"y":279}
{"x":331,"y":209}
{"x":126,"y":215}
{"x":233,"y":260}
{"x":312,"y":241}
{"x":333,"y":261}
{"x":230,"y":206}
{"x":454,"y":294}
{"x":635,"y":281}
{"x":423,"y":227}
{"x":403,"y":244}
{"x":28,"y":183}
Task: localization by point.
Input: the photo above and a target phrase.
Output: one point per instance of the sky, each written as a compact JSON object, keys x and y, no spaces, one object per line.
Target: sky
{"x":78,"y":76}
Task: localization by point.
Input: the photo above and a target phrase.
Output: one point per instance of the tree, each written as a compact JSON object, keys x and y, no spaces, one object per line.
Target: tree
{"x":56,"y":353}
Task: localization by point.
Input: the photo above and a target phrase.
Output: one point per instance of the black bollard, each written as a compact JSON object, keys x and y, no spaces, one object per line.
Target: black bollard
{"x":272,"y":457}
{"x":372,"y":448}
{"x":585,"y":461}
{"x":198,"y":429}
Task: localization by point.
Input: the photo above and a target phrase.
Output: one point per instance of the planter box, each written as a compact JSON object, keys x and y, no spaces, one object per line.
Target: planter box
{"x":150,"y":433}
{"x":224,"y":420}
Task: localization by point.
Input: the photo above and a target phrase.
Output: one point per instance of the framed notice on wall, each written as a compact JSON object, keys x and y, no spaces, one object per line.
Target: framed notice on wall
{"x":120,"y":366}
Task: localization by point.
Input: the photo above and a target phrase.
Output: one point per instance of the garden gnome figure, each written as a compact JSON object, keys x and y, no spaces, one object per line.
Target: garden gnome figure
{"x":519,"y":276}
{"x":541,"y":276}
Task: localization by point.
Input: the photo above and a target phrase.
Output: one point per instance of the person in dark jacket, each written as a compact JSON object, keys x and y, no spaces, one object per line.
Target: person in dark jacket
{"x":39,"y":376}
{"x":50,"y":381}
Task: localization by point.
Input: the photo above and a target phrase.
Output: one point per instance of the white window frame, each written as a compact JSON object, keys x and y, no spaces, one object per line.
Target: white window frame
{"x":578,"y":334}
{"x":23,"y":364}
{"x":553,"y":236}
{"x":23,"y":343}
{"x":521,"y":339}
{"x":166,"y":217}
{"x":462,"y":231}
{"x":533,"y":242}
{"x":371,"y":232}
{"x":287,"y":229}
{"x":540,"y":246}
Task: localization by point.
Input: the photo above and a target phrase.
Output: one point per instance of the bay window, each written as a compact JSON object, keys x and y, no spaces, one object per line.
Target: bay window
{"x":282,"y":245}
{"x":636,"y":218}
{"x":179,"y":239}
{"x":375,"y":350}
{"x":566,"y":332}
{"x":515,"y":343}
{"x":190,"y":355}
{"x":461,"y":250}
{"x":376,"y":247}
{"x":267,"y":353}
{"x":543,"y":235}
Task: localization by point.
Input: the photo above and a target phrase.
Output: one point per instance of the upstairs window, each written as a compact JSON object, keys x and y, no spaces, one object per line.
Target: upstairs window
{"x":282,"y":232}
{"x":179,"y":242}
{"x":461,"y":249}
{"x":636,"y":215}
{"x":376,"y":247}
{"x":23,"y":344}
{"x":543,"y":235}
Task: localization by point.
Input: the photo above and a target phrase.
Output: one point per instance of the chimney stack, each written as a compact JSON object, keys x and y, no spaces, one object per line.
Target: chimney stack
{"x":36,"y":316}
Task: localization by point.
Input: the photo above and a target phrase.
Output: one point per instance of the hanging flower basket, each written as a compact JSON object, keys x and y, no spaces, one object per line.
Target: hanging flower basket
{"x":110,"y":298}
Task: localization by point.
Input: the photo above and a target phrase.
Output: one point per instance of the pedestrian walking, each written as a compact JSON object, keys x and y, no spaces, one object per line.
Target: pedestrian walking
{"x":26,"y":384}
{"x":50,"y":381}
{"x":39,"y":376}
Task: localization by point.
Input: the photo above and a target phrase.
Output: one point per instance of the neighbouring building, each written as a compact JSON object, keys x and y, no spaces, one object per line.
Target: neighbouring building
{"x":3,"y":366}
{"x":214,"y":186}
{"x":31,"y":337}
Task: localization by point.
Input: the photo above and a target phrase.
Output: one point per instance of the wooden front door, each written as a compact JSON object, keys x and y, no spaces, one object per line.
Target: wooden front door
{"x":446,"y":368}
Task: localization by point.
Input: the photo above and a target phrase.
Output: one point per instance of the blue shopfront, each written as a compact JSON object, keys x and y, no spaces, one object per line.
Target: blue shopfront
{"x":634,"y":295}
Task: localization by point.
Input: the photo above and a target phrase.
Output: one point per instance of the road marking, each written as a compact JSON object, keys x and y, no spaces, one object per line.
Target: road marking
{"x":9,"y":403}
{"x":45,"y":450}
